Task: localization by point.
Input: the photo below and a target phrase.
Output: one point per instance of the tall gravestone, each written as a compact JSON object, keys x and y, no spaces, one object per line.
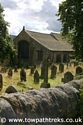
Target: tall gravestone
{"x":36,"y":77}
{"x":32,"y":69}
{"x":45,"y":63}
{"x":53,"y":71}
{"x":10,"y":72}
{"x":1,"y":82}
{"x":15,"y":69}
{"x":42,"y":70}
{"x":61,"y":67}
{"x":22,"y":75}
{"x":45,"y":84}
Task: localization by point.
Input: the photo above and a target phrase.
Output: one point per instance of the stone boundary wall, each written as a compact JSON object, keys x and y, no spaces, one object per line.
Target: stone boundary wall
{"x":61,"y":101}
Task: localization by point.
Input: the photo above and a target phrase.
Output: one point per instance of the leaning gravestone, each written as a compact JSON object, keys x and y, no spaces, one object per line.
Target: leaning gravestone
{"x":53,"y":71}
{"x":36,"y":77}
{"x":10,"y":89}
{"x":79,"y":70}
{"x":1,"y":82}
{"x":22,"y":75}
{"x":61,"y":67}
{"x":10,"y":72}
{"x":68,"y":76}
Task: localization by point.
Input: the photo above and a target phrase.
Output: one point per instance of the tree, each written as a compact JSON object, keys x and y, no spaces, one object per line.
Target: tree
{"x":71,"y":16}
{"x":5,"y":39}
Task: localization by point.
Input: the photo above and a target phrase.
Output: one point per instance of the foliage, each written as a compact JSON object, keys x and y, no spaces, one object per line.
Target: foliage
{"x":71,"y":16}
{"x":5,"y":40}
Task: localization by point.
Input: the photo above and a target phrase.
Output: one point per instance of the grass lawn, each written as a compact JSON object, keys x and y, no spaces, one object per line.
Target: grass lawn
{"x":30,"y":81}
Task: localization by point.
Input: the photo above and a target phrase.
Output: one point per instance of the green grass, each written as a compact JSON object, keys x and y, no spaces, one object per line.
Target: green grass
{"x":30,"y":81}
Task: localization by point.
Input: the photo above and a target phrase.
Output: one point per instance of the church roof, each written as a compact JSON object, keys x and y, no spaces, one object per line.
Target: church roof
{"x":52,"y":41}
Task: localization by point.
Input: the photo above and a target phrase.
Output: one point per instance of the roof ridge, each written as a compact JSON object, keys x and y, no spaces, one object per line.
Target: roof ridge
{"x":48,"y":41}
{"x":38,"y":32}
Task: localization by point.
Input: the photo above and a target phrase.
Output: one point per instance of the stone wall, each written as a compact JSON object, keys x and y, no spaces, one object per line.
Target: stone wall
{"x":61,"y":101}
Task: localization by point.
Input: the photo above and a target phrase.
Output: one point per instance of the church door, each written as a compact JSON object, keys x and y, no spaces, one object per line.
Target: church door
{"x":23,"y":50}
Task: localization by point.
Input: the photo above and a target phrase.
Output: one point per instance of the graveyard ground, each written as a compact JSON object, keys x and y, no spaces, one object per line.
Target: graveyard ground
{"x":15,"y":79}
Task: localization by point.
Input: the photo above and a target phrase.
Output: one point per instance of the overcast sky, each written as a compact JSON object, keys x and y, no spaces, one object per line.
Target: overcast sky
{"x":35,"y":15}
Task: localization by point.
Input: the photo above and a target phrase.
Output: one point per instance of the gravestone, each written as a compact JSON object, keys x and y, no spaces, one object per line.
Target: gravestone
{"x":79,"y":70}
{"x":22,"y":75}
{"x":76,"y":63}
{"x":61,"y":67}
{"x":3,"y":69}
{"x":27,"y":66}
{"x":68,"y":76}
{"x":10,"y":72}
{"x":53,"y":71}
{"x":10,"y":89}
{"x":70,"y":64}
{"x":46,"y":71}
{"x":34,"y":66}
{"x":1,"y":82}
{"x":45,"y":84}
{"x":32,"y":69}
{"x":42,"y":70}
{"x":36,"y":77}
{"x":67,"y":64}
{"x":15,"y":69}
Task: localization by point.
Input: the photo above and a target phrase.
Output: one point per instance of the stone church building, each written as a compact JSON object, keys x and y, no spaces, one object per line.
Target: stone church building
{"x":34,"y":47}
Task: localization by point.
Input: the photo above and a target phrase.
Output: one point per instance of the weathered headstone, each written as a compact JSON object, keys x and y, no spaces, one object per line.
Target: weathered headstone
{"x":32,"y":69}
{"x":36,"y":77}
{"x":10,"y":72}
{"x":42,"y":70}
{"x":34,"y":66}
{"x":53,"y":71}
{"x":27,"y":66}
{"x":61,"y":67}
{"x":76,"y":63}
{"x":1,"y":82}
{"x":79,"y":70}
{"x":70,"y":64}
{"x":10,"y":89}
{"x":3,"y":69}
{"x":22,"y":75}
{"x":45,"y":84}
{"x":15,"y":69}
{"x":46,"y":71}
{"x":67,"y":64}
{"x":68,"y":76}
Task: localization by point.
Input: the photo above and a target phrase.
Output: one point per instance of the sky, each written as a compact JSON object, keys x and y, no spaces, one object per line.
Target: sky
{"x":35,"y":15}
